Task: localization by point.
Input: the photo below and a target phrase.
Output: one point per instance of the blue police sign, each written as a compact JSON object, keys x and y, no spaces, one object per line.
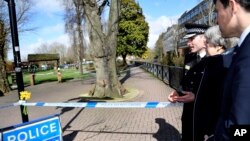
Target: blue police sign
{"x":47,"y":129}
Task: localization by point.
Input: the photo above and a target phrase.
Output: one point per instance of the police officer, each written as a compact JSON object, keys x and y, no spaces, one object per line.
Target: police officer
{"x":192,"y":76}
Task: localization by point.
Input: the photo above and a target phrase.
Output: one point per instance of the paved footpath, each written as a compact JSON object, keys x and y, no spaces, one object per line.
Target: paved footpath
{"x":100,"y":124}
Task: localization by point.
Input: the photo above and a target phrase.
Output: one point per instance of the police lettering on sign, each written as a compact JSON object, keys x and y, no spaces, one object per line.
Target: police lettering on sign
{"x":240,"y":133}
{"x":43,"y":129}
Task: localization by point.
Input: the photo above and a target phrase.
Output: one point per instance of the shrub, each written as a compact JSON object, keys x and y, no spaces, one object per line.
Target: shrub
{"x":178,"y":61}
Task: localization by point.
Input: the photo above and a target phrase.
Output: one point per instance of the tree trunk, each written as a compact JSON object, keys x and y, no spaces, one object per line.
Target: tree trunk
{"x":4,"y":84}
{"x":107,"y":82}
{"x":103,"y":49}
{"x":80,"y":36}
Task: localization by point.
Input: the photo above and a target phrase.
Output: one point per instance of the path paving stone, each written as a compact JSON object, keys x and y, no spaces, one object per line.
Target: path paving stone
{"x":100,"y":124}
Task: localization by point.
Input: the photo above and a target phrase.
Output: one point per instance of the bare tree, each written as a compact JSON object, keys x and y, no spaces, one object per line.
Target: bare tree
{"x":70,"y":54}
{"x":211,"y":13}
{"x":60,"y":49}
{"x":208,"y":12}
{"x":54,"y":47}
{"x":74,"y":23}
{"x":22,"y":8}
{"x":43,"y":48}
{"x":103,"y":47}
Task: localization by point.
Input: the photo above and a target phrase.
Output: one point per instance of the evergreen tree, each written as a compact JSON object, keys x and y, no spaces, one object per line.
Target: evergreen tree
{"x":133,"y":30}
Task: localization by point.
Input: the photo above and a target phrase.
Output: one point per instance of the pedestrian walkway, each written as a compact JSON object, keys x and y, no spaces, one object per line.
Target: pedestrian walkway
{"x":100,"y":124}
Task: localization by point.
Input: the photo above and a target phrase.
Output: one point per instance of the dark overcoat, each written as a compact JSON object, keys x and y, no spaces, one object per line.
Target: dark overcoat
{"x":207,"y":103}
{"x":236,"y":95}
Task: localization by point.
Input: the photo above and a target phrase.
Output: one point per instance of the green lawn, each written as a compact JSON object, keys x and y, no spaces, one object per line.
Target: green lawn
{"x":50,"y":75}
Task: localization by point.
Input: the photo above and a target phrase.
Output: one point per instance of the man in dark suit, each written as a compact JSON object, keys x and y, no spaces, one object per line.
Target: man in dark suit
{"x":191,"y":78}
{"x":233,"y":17}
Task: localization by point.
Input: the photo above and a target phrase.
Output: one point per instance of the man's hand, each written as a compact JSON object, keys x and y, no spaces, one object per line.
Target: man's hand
{"x":172,"y":96}
{"x":186,"y":98}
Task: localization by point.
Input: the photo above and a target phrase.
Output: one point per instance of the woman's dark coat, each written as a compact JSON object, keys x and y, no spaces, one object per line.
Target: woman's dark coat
{"x":207,"y":103}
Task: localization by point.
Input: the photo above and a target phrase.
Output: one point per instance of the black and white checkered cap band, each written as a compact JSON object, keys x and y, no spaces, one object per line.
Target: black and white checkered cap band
{"x":196,"y":30}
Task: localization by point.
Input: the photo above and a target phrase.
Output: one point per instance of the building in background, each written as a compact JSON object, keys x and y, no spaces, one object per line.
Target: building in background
{"x":203,"y":13}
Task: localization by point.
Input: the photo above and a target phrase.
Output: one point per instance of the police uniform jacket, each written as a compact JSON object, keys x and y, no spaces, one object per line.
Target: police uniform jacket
{"x":190,"y":82}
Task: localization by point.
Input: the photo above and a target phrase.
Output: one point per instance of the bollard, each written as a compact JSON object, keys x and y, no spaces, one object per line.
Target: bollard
{"x":59,"y":76}
{"x":32,"y":79}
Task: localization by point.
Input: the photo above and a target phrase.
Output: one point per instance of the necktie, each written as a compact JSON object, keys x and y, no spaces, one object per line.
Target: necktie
{"x":198,"y":58}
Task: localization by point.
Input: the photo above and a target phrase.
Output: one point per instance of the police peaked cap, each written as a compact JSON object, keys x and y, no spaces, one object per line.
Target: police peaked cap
{"x":195,"y":29}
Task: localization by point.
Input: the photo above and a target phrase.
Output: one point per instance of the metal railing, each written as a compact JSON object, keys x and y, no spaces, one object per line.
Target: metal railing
{"x":170,"y":75}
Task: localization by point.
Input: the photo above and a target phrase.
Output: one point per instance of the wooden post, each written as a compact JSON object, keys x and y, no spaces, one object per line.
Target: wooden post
{"x":32,"y":79}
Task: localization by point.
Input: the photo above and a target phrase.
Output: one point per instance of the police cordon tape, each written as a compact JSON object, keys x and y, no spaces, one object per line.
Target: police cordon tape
{"x":9,"y":105}
{"x":104,"y":104}
{"x":98,"y":104}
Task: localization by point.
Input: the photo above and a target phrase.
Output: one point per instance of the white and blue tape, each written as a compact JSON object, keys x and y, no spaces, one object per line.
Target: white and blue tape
{"x":100,"y":104}
{"x":9,"y":105}
{"x":104,"y":104}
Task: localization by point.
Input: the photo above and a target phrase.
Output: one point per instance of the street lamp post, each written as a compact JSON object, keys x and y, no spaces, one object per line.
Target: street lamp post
{"x":16,"y":53}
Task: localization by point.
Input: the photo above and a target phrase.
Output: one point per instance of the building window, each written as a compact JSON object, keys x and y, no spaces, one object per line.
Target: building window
{"x":196,"y":11}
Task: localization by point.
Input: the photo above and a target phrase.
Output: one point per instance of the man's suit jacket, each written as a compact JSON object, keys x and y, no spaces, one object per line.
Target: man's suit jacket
{"x":236,"y":95}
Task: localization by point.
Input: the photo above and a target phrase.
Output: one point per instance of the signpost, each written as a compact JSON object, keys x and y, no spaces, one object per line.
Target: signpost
{"x":16,"y":53}
{"x":47,"y":129}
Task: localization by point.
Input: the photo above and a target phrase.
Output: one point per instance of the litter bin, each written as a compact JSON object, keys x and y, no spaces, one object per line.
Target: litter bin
{"x":13,"y":78}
